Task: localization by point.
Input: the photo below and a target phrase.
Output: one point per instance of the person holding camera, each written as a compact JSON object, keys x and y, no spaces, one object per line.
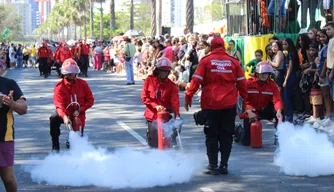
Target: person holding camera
{"x":263,"y":101}
{"x":221,"y":77}
{"x":159,"y":93}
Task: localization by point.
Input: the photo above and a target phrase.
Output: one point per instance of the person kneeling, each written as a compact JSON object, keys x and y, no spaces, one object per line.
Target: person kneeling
{"x":72,"y":97}
{"x":263,"y":101}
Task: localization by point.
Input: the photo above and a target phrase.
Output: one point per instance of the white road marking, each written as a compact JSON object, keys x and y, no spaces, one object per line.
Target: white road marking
{"x":205,"y":189}
{"x":132,"y":132}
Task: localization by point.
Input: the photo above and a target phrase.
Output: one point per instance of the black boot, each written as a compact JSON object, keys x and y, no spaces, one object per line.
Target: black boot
{"x":55,"y":145}
{"x":223,"y":169}
{"x":68,"y":144}
{"x":275,"y":140}
{"x":212,"y":170}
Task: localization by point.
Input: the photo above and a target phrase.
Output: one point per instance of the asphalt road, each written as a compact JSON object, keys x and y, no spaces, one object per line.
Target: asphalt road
{"x":117,"y":110}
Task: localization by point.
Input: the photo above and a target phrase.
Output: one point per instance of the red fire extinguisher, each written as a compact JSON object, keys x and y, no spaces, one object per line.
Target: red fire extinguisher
{"x":77,"y":125}
{"x":163,"y":140}
{"x":256,"y":134}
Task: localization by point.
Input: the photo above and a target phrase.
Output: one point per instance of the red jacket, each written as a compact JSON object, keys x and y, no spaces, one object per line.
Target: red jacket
{"x":221,"y":77}
{"x":44,"y":52}
{"x":155,"y":93}
{"x":64,"y":91}
{"x":260,"y":94}
{"x":63,"y":54}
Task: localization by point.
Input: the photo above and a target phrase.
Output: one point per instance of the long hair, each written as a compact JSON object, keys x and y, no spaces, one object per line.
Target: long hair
{"x":323,"y":31}
{"x":292,"y":51}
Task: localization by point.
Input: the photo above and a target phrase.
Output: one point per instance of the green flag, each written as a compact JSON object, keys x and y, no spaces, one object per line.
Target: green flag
{"x":5,"y":33}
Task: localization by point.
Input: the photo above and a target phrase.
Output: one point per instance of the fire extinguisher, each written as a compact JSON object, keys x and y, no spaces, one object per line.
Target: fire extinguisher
{"x":77,"y":125}
{"x":256,"y":134}
{"x":163,"y":140}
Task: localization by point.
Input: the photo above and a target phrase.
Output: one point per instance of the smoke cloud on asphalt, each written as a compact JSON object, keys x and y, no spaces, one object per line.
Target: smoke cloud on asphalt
{"x":85,"y":165}
{"x":303,"y":151}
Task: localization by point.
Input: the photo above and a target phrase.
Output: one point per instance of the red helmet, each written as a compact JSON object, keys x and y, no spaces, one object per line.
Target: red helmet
{"x":69,"y":66}
{"x":264,"y":67}
{"x":164,"y":64}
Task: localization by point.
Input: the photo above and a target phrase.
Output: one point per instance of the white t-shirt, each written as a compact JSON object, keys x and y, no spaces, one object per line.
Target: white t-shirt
{"x":138,"y":57}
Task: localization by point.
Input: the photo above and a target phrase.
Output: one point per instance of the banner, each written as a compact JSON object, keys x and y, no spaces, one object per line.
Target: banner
{"x":5,"y":33}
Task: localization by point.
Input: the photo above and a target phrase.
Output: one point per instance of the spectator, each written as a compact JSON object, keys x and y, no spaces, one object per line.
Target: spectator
{"x":233,"y":51}
{"x":11,"y":99}
{"x":252,"y":64}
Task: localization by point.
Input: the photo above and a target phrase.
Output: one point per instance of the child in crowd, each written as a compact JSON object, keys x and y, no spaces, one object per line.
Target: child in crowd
{"x":252,"y":64}
{"x":111,"y":64}
{"x":315,"y":94}
{"x":106,"y":59}
{"x":138,"y":61}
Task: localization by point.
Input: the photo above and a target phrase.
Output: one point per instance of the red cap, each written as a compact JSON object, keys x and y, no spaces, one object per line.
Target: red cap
{"x":211,"y":34}
{"x":217,"y":42}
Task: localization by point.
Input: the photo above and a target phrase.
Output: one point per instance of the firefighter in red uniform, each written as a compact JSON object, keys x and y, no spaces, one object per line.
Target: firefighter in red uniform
{"x":263,"y":101}
{"x":43,"y":55}
{"x":160,"y":93}
{"x":221,"y":77}
{"x":69,"y":89}
{"x":83,"y":52}
{"x":63,"y":53}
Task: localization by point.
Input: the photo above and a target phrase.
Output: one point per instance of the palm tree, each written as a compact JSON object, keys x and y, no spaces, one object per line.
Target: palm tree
{"x":91,"y":3}
{"x":112,"y":16}
{"x":131,"y":14}
{"x":153,"y":18}
{"x":190,"y":15}
{"x":101,"y":18}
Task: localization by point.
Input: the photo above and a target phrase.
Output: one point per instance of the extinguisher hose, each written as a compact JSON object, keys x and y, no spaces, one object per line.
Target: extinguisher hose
{"x":70,"y":128}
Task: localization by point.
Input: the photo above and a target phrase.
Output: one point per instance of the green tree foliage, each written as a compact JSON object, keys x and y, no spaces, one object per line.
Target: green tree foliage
{"x":68,"y":13}
{"x":211,"y":12}
{"x":9,"y":19}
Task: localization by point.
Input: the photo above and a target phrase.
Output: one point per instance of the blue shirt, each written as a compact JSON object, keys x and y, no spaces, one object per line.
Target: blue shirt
{"x":322,"y":55}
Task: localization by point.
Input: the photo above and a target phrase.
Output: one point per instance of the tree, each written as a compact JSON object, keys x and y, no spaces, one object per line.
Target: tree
{"x":131,"y":14}
{"x":153,"y":17}
{"x":190,"y":15}
{"x":112,"y":17}
{"x":141,"y":17}
{"x":91,"y":16}
{"x":9,"y":19}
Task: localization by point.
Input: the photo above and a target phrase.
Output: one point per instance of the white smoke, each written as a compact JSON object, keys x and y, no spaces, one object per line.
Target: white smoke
{"x":85,"y":165}
{"x":303,"y":151}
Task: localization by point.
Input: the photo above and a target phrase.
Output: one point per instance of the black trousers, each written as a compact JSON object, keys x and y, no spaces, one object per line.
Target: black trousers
{"x":84,"y":63}
{"x":43,"y":66}
{"x":58,"y":66}
{"x":218,"y":130}
{"x":268,"y":113}
{"x":55,"y":122}
{"x":152,"y":134}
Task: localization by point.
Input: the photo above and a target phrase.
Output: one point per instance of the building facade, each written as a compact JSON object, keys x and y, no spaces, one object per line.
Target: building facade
{"x":24,"y":11}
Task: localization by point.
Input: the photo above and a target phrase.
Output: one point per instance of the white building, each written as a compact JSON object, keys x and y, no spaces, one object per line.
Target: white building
{"x":24,"y":10}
